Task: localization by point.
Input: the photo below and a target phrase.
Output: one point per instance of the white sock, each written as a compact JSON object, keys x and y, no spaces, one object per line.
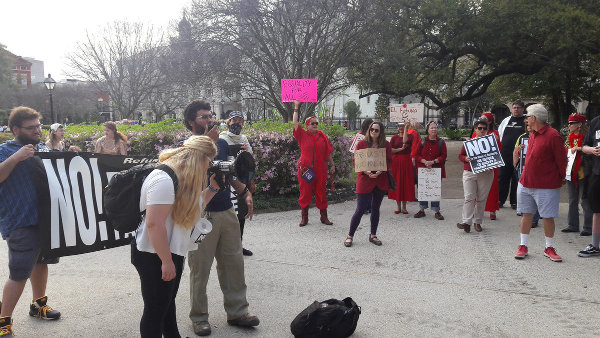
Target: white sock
{"x":524,"y":238}
{"x":549,"y":241}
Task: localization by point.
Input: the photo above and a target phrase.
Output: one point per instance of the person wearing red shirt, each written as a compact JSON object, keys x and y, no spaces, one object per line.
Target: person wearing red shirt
{"x":402,"y":168}
{"x":432,"y":154}
{"x":539,"y":186}
{"x":476,"y":186}
{"x":371,"y":186}
{"x":493,"y":204}
{"x":315,"y":152}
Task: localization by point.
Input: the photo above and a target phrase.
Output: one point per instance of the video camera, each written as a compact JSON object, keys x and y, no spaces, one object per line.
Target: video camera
{"x":242,"y":168}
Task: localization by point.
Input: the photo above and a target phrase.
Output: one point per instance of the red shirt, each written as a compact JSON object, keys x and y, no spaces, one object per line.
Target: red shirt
{"x":314,"y":148}
{"x":546,"y":160}
{"x":365,"y":184}
{"x":396,"y":142}
{"x":416,"y":144}
{"x":431,"y":151}
{"x":462,"y":156}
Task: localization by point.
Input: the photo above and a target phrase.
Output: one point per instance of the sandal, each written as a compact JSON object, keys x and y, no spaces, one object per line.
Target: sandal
{"x":374,"y":240}
{"x":348,"y":242}
{"x":397,"y":212}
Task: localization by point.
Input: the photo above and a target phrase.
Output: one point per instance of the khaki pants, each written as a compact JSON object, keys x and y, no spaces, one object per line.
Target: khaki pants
{"x":224,"y":244}
{"x":476,"y":187}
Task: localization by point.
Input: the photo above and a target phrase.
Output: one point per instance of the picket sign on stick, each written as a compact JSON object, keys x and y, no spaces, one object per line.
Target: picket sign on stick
{"x":370,"y":159}
{"x":413,"y":112}
{"x":357,"y":138}
{"x":484,"y":153}
{"x":304,"y":90}
{"x":429,"y":184}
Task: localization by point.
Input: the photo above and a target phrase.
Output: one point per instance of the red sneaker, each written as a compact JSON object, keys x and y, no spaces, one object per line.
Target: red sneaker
{"x":521,"y":252}
{"x":551,"y":253}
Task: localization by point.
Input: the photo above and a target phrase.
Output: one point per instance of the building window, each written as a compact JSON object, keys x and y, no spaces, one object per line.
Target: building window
{"x":368,"y":99}
{"x":23,"y":67}
{"x":15,"y":68}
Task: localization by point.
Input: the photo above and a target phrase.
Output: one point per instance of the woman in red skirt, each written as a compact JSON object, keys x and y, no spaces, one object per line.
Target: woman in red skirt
{"x":493,"y":202}
{"x":402,"y":168}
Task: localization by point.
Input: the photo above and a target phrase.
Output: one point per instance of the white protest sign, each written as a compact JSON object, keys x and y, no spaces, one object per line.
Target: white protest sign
{"x":370,"y":159}
{"x":484,"y":153}
{"x":571,"y":157}
{"x":430,"y":184}
{"x":357,"y":138}
{"x":413,"y":112}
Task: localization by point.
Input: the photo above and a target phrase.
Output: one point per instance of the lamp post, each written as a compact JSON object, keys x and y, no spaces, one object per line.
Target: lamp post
{"x":222,"y":108}
{"x":264,"y":94}
{"x":49,"y":83}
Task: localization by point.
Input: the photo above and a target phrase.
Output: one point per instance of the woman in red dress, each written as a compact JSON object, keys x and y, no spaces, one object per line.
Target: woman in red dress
{"x":371,"y":186}
{"x":493,"y":201}
{"x":402,"y":168}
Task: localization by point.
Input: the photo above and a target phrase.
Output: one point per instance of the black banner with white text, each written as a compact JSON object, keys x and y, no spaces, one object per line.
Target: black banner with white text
{"x":70,"y":203}
{"x":484,"y":153}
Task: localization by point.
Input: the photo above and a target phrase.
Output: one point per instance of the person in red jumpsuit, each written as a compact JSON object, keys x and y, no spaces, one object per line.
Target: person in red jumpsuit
{"x":315,"y":153}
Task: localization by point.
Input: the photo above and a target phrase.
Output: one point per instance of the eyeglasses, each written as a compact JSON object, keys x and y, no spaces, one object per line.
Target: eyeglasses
{"x":30,"y":128}
{"x":572,"y":123}
{"x":374,"y":130}
{"x":314,"y":123}
{"x":206,"y":117}
{"x":481,"y":128}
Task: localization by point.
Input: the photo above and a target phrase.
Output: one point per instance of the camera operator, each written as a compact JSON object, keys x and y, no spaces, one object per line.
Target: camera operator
{"x":223,"y":242}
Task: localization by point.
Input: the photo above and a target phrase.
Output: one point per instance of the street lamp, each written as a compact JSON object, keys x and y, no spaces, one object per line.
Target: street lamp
{"x":222,"y":109}
{"x":49,"y":83}
{"x":264,"y":94}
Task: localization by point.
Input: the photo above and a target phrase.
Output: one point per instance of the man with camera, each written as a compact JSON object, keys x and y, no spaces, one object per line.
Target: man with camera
{"x":223,"y":243}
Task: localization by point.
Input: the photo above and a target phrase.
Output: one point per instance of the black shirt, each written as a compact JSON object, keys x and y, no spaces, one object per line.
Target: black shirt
{"x":514,"y":128}
{"x":592,"y":139}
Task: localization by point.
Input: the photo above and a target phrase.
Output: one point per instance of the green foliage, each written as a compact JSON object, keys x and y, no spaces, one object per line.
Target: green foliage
{"x":382,"y":107}
{"x":456,"y":134}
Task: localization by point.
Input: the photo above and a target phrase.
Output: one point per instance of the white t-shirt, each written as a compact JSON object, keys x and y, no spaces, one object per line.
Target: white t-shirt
{"x":158,"y":189}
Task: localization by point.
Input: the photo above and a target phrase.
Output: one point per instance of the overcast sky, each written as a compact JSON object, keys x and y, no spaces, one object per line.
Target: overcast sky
{"x":48,"y":30}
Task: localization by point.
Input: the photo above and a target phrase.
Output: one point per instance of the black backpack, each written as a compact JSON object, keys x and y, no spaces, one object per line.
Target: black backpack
{"x":122,"y":196}
{"x":331,"y":318}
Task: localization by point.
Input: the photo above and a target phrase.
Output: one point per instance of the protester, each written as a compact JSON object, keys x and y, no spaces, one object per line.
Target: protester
{"x":476,"y":186}
{"x":578,"y":182}
{"x":168,"y":231}
{"x":315,"y":152}
{"x":113,"y":142}
{"x":402,"y":168}
{"x":492,"y":205}
{"x":539,"y":187}
{"x":591,"y":146}
{"x":19,"y":219}
{"x":371,"y":186}
{"x":521,"y":146}
{"x":223,"y":243}
{"x":234,"y":138}
{"x":364,"y":130}
{"x":509,"y":130}
{"x":56,"y":139}
{"x":432,"y":154}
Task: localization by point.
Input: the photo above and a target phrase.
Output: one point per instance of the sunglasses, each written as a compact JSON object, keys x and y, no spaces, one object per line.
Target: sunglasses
{"x":314,"y":123}
{"x":481,"y":128}
{"x":374,"y":130}
{"x":206,"y":117}
{"x":572,"y":123}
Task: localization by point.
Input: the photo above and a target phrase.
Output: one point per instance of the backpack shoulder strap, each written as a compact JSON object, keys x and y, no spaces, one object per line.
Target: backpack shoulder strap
{"x":170,"y":172}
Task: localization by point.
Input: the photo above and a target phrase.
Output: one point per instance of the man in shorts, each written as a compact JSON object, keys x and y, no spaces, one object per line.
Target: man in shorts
{"x":19,"y":218}
{"x":542,"y":177}
{"x":591,"y":146}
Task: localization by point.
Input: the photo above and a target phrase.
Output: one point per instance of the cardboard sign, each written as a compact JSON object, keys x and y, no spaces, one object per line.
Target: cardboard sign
{"x":484,"y":153}
{"x":370,"y":159}
{"x":430,"y":184}
{"x":357,"y":138}
{"x":413,"y":112}
{"x":304,"y":90}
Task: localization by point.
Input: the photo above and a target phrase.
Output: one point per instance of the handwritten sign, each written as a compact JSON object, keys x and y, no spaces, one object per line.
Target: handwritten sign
{"x":523,"y":154}
{"x":413,"y":112}
{"x":370,"y":159}
{"x":304,"y":90}
{"x":430,"y":184}
{"x":357,"y":138}
{"x":484,"y":153}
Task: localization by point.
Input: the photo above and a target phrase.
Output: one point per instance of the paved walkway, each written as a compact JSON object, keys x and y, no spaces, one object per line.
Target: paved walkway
{"x":428,"y":279}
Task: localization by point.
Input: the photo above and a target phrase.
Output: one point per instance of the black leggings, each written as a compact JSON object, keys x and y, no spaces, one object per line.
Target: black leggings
{"x":159,"y":316}
{"x":364,"y":201}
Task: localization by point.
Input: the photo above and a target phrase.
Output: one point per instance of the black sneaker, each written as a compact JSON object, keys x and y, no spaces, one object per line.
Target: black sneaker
{"x":246,"y":252}
{"x":589,"y":251}
{"x":6,"y":327}
{"x":39,"y":309}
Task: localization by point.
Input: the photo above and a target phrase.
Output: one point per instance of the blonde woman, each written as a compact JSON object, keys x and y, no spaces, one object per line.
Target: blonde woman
{"x":56,"y":139}
{"x":113,"y":142}
{"x":168,"y":231}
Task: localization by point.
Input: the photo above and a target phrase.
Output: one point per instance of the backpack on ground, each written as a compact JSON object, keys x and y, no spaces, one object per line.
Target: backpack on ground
{"x":121,"y":197}
{"x":331,"y":318}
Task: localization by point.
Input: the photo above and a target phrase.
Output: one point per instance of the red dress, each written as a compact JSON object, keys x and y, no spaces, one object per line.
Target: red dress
{"x":493,"y":200}
{"x":402,"y":170}
{"x":314,"y":151}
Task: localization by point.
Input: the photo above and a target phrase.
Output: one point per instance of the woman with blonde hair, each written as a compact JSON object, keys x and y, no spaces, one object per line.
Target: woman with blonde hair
{"x":113,"y":142}
{"x":56,"y":139}
{"x":170,"y":229}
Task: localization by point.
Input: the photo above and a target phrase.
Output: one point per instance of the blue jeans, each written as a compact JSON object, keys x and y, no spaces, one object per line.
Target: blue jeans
{"x":435,"y":205}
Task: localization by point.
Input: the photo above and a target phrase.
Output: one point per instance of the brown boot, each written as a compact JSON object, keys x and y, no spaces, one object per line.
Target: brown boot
{"x":324,"y":218}
{"x":304,"y":220}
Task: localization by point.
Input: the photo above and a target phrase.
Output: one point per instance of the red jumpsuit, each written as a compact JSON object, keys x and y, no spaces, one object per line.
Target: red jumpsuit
{"x":314,"y":151}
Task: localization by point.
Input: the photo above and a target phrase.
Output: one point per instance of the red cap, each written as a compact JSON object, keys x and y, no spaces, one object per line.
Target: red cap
{"x":488,"y":116}
{"x":576,"y":118}
{"x":307,"y":121}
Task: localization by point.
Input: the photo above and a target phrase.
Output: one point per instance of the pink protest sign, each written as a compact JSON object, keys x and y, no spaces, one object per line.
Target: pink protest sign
{"x":304,"y":90}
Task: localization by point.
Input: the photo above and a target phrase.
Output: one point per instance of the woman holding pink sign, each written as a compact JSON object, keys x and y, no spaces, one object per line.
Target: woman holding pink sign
{"x":315,"y":152}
